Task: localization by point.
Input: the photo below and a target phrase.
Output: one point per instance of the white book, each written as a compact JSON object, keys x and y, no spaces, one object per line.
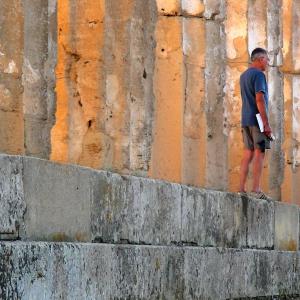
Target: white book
{"x":260,"y":122}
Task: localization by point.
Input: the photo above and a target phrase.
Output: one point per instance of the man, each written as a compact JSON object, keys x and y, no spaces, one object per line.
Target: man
{"x":254,"y":92}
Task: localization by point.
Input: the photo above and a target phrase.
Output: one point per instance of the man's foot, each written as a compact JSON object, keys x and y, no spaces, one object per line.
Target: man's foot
{"x":242,"y":193}
{"x":259,"y":195}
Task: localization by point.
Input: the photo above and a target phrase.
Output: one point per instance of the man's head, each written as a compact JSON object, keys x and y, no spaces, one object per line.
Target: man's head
{"x":259,"y":58}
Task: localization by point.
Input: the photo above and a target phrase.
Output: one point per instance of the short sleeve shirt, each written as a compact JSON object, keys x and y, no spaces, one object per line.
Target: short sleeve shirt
{"x":252,"y":81}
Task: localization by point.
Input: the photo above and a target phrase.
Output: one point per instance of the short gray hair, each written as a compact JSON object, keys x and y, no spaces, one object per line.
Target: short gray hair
{"x":257,"y":53}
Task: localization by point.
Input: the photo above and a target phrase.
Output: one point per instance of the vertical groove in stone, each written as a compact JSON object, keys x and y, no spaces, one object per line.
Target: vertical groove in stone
{"x":50,"y":67}
{"x":116,"y":122}
{"x":287,"y":186}
{"x":194,"y":131}
{"x":167,"y":140}
{"x":140,"y":94}
{"x":295,"y":36}
{"x":217,"y":151}
{"x":237,"y":62}
{"x":76,"y":136}
{"x":257,"y":24}
{"x":296,"y":139}
{"x":38,"y":98}
{"x":59,"y":133}
{"x":276,"y":113}
{"x":287,"y":27}
{"x":276,"y":102}
{"x":11,"y":89}
{"x":86,"y":98}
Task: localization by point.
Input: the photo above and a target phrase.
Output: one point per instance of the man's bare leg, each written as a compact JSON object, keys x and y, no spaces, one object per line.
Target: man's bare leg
{"x":247,"y":158}
{"x":257,"y":169}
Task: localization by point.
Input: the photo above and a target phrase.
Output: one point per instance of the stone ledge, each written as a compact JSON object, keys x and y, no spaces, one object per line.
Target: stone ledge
{"x":73,"y":203}
{"x":102,"y":271}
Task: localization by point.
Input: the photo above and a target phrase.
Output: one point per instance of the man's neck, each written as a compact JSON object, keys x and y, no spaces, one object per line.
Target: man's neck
{"x":256,"y":66}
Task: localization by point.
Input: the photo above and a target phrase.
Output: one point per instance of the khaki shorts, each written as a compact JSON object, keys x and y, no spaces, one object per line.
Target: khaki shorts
{"x":254,"y":139}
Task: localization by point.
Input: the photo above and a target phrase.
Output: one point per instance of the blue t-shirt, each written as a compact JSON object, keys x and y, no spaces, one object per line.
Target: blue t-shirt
{"x":252,"y":81}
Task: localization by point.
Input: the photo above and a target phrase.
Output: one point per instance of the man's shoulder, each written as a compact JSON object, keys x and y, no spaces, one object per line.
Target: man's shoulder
{"x":252,"y":72}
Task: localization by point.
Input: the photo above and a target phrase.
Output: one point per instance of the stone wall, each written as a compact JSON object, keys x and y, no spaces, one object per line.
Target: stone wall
{"x":149,"y":87}
{"x":81,"y":233}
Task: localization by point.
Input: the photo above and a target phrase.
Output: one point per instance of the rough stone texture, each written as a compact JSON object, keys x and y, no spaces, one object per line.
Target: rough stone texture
{"x":237,"y":58}
{"x":192,"y":7}
{"x":11,"y":60}
{"x":211,"y":218}
{"x":296,"y":138}
{"x":295,"y":36}
{"x":141,"y":93}
{"x":257,"y":24}
{"x":276,"y":102}
{"x":71,"y":203}
{"x":286,"y":227}
{"x":260,"y":224}
{"x":75,"y":136}
{"x":168,"y":8}
{"x":12,"y":200}
{"x":194,"y":141}
{"x":38,"y":75}
{"x":147,"y":87}
{"x":58,"y":199}
{"x":216,"y":172}
{"x":276,"y":114}
{"x":236,"y":36}
{"x":135,"y":210}
{"x":93,"y":271}
{"x":275,"y":32}
{"x":166,"y":159}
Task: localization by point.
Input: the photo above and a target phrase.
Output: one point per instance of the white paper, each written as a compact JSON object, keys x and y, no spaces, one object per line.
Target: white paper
{"x":260,"y":122}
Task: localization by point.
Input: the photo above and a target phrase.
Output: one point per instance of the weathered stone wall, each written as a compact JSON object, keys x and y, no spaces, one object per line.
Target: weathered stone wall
{"x":27,"y":75}
{"x":45,"y":201}
{"x":149,"y":87}
{"x":151,"y":239}
{"x":69,"y":271}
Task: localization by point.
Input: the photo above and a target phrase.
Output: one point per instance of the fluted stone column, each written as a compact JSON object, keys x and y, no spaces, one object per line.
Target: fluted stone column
{"x":237,"y":62}
{"x":217,"y":151}
{"x":38,"y":75}
{"x":11,"y":89}
{"x":276,"y":102}
{"x":291,"y":73}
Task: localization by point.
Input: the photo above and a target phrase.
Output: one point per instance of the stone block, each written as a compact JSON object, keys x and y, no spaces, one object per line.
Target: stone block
{"x":71,"y":203}
{"x":12,"y":200}
{"x":98,"y":271}
{"x":295,"y":36}
{"x":170,"y":7}
{"x":236,"y":36}
{"x":169,"y":91}
{"x":216,"y":173}
{"x":211,"y":218}
{"x":286,"y":227}
{"x":193,"y":8}
{"x":257,"y":24}
{"x":214,"y":9}
{"x":135,"y":210}
{"x":58,"y":201}
{"x":275,"y":32}
{"x":260,"y":223}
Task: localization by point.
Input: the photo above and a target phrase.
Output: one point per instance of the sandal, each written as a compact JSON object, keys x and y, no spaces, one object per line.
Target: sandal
{"x":260,"y":195}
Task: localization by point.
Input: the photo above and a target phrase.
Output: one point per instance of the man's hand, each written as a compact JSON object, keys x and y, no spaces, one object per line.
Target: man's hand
{"x":267,"y":130}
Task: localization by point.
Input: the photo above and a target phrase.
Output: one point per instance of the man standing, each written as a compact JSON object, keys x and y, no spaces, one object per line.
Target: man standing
{"x":254,"y":92}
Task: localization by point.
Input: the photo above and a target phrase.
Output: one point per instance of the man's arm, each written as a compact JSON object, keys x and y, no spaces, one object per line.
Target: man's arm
{"x":260,"y":102}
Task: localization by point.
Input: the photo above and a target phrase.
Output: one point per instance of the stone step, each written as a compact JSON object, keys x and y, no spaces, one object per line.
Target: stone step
{"x":42,"y":270}
{"x":44,"y":201}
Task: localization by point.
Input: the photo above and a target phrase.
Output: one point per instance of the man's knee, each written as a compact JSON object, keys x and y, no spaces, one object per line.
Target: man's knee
{"x":248,"y":154}
{"x":259,"y":153}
